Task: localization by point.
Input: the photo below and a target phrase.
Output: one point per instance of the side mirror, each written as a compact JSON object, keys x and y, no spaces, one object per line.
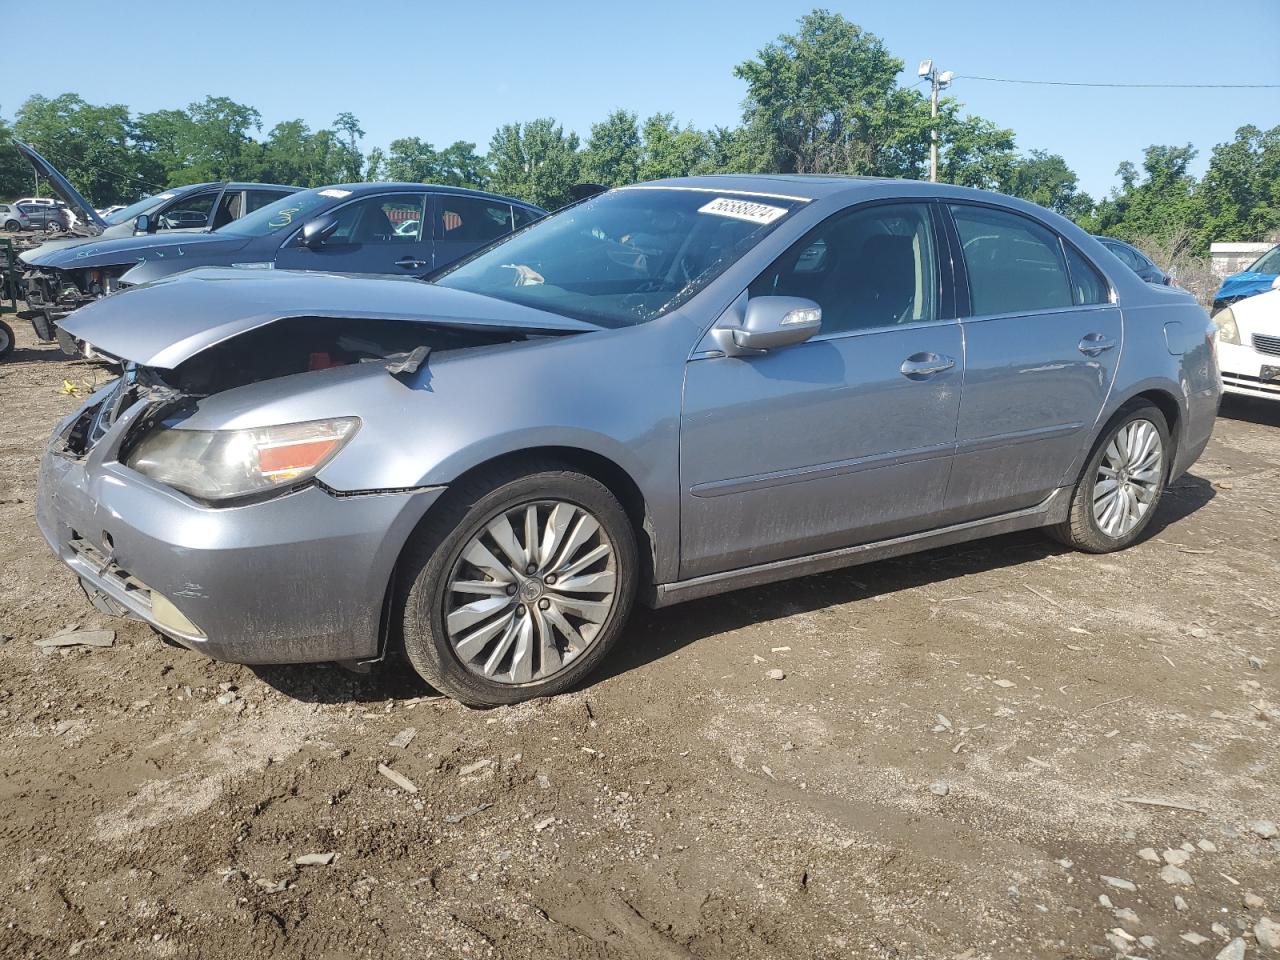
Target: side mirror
{"x":145,"y":223}
{"x":316,"y":232}
{"x":769,"y":323}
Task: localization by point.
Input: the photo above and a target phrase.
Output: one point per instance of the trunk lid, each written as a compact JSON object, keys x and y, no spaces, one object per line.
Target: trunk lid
{"x":63,"y":188}
{"x":164,"y":323}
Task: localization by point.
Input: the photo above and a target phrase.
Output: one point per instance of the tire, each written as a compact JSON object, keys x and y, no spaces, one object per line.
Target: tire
{"x":6,"y":339}
{"x":1119,"y":520}
{"x":520,"y":648}
{"x":13,"y":226}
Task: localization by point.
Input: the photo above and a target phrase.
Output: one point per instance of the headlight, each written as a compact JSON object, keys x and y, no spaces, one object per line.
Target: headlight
{"x":1225,"y":320}
{"x":220,"y":464}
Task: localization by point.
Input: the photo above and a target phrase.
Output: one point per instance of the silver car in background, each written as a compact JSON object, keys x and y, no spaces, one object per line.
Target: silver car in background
{"x":663,"y":392}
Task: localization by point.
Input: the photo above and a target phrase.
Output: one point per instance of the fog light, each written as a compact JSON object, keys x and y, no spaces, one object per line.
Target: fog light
{"x":171,"y":618}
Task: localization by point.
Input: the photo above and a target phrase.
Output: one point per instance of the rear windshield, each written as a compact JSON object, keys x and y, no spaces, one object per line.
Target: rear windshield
{"x":284,"y":213}
{"x":1269,"y":262}
{"x":623,"y":257}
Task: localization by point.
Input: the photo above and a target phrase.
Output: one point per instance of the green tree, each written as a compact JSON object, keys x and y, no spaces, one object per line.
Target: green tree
{"x":1045,"y":178}
{"x":536,"y":161}
{"x":826,"y":100}
{"x":90,"y":144}
{"x":668,"y":150}
{"x":612,"y":154}
{"x":1157,"y":201}
{"x":413,"y":160}
{"x":348,"y":128}
{"x":973,"y":152}
{"x":15,"y":173}
{"x":1240,"y":192}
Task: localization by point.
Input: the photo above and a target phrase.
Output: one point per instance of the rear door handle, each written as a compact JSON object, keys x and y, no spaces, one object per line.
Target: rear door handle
{"x":411,"y":264}
{"x":1093,"y":344}
{"x":922,"y":366}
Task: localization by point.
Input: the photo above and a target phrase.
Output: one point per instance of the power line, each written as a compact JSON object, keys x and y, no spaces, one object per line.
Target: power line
{"x":1135,"y":86}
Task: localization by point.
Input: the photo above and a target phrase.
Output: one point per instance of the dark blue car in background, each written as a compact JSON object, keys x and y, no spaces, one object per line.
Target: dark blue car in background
{"x":403,"y":229}
{"x":1257,"y":279}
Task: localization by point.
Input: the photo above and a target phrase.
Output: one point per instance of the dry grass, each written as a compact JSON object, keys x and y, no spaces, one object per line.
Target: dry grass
{"x":1173,"y":251}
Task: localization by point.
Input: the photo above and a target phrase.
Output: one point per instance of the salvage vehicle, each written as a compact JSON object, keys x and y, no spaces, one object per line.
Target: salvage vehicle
{"x":1136,"y":260}
{"x":13,"y":218}
{"x":665,"y":391}
{"x":1249,"y":345}
{"x":1258,"y":278}
{"x":47,"y":217}
{"x":400,"y":228}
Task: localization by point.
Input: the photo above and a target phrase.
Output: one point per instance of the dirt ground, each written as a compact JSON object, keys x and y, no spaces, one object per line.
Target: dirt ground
{"x":942,"y":772}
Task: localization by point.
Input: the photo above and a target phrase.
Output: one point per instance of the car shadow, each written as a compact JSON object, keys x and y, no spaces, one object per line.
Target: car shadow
{"x":51,"y":352}
{"x":1265,"y":413}
{"x":653,"y":634}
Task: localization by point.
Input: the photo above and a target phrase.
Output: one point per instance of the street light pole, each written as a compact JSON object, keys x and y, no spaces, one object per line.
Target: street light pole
{"x":938,"y":81}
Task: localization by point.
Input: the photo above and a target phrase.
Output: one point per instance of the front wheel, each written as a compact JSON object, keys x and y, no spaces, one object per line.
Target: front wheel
{"x":6,"y":339}
{"x":1121,"y":485}
{"x":518,"y":586}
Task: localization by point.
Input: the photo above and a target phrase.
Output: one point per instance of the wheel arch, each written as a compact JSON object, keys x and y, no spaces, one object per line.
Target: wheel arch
{"x":599,"y":467}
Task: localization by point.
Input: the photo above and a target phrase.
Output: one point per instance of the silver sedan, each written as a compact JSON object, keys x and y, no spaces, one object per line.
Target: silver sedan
{"x":663,"y":392}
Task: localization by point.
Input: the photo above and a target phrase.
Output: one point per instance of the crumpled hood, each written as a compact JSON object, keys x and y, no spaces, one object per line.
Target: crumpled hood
{"x":128,"y":250}
{"x":1245,"y":284}
{"x":163,"y":323}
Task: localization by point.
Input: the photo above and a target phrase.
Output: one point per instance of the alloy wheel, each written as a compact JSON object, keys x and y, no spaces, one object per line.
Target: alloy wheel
{"x":530,"y":592}
{"x":1128,"y":479}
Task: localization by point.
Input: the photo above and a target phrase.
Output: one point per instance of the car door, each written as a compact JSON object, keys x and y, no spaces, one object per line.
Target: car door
{"x":463,"y":224}
{"x":846,"y":438}
{"x":1042,"y":340}
{"x":382,"y":233}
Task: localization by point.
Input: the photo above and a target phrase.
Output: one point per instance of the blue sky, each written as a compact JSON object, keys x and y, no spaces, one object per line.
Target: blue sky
{"x":450,"y":71}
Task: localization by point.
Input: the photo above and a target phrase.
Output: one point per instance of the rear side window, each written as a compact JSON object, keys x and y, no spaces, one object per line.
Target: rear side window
{"x":260,"y":198}
{"x":470,"y":219}
{"x":524,"y":217}
{"x":1014,"y":264}
{"x":1087,"y":284}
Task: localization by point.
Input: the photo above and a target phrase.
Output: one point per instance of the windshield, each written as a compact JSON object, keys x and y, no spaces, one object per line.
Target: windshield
{"x":142,"y":206}
{"x":282,"y":214}
{"x":1269,"y":262}
{"x":623,"y":257}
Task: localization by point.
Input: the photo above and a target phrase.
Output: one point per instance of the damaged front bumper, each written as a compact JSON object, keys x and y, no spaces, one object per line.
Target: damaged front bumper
{"x":301,"y":577}
{"x":53,"y":294}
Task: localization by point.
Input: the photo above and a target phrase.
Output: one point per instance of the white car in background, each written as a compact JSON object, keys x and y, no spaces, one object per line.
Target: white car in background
{"x":1249,"y":345}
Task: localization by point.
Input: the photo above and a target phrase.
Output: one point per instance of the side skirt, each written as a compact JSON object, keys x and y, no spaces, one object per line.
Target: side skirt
{"x":1053,"y":509}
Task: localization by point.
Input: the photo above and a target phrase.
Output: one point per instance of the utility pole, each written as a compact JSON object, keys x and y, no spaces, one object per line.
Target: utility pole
{"x":938,"y":81}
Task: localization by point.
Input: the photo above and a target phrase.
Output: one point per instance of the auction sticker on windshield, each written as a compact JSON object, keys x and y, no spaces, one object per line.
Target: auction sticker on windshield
{"x":743,"y":210}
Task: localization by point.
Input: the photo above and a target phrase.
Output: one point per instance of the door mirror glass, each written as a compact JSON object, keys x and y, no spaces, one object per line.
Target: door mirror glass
{"x":144,"y":224}
{"x":772,"y":322}
{"x":316,"y":232}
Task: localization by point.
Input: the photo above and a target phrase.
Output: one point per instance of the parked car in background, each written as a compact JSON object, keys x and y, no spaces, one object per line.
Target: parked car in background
{"x":45,"y":217}
{"x":105,"y":212}
{"x":1248,"y":335}
{"x":1136,"y":260}
{"x":13,"y":218}
{"x":406,"y":229}
{"x":38,"y":201}
{"x":1257,"y":279}
{"x":198,"y":207}
{"x":666,"y":391}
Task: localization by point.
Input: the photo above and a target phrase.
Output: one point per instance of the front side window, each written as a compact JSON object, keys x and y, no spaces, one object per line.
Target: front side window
{"x":191,"y":211}
{"x":868,"y":267}
{"x":623,"y":257}
{"x":381,"y":219}
{"x":470,"y":219}
{"x":1014,"y":264}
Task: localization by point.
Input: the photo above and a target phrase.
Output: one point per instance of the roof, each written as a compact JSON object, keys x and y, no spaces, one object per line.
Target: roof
{"x":798,"y":186}
{"x":376,"y":186}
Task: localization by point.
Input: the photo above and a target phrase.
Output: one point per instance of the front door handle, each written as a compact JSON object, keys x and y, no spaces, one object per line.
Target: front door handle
{"x":1093,"y":344}
{"x":411,"y":264}
{"x":922,"y":366}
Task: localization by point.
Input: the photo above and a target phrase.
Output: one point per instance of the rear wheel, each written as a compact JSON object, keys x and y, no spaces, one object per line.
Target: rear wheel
{"x":13,"y":226}
{"x":6,"y":339}
{"x":518,"y":586}
{"x":1121,"y":485}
